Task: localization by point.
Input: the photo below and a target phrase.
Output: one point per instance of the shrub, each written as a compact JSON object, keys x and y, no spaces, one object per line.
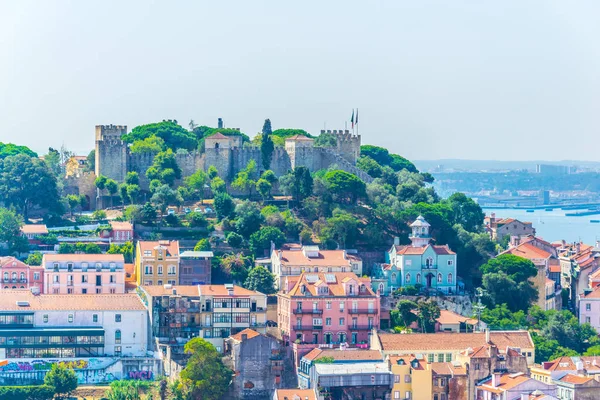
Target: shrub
{"x":234,"y":239}
{"x":41,"y":392}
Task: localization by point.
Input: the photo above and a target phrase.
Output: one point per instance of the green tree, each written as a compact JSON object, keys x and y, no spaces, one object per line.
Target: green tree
{"x":112,"y":187}
{"x":501,"y":318}
{"x":266,"y":146}
{"x":100,"y":182}
{"x":26,"y":182}
{"x":205,"y":375}
{"x":34,"y":259}
{"x":243,"y":180}
{"x":127,"y":390}
{"x":133,"y":178}
{"x":174,"y":136}
{"x":260,"y":241}
{"x":63,"y":379}
{"x":234,"y":267}
{"x":466,"y":212}
{"x":345,"y":187}
{"x":123,"y":193}
{"x":10,"y":231}
{"x":148,"y":213}
{"x":248,"y":219}
{"x":126,"y":249}
{"x":592,"y":351}
{"x":427,"y":313}
{"x":261,"y":280}
{"x":383,"y":158}
{"x":99,"y":215}
{"x":164,"y":168}
{"x":506,"y":281}
{"x":224,"y":206}
{"x":164,"y":196}
{"x":342,"y":227}
{"x":196,"y":183}
{"x":234,"y":239}
{"x":404,"y":315}
{"x":263,"y":187}
{"x":10,"y":150}
{"x":90,"y":163}
{"x":203,"y":245}
{"x":133,"y":192}
{"x":218,"y":185}
{"x":269,"y":176}
{"x":298,"y":184}
{"x":197,"y":219}
{"x":73,"y":201}
{"x":212,"y":172}
{"x":152,"y":144}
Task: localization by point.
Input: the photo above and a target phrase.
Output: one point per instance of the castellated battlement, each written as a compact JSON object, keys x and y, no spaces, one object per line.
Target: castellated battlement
{"x":110,"y":132}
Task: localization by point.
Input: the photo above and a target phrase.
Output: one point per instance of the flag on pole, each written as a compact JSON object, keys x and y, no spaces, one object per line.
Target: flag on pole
{"x":356,"y":119}
{"x":352,"y":119}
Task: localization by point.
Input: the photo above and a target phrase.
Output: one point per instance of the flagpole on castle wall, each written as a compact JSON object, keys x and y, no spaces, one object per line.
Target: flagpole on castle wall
{"x":356,"y":122}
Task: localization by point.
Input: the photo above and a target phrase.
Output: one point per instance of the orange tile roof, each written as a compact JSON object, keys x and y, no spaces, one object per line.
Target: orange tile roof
{"x":217,"y":135}
{"x":34,"y":229}
{"x":334,"y":288}
{"x":507,"y":382}
{"x":129,"y":268}
{"x":327,"y":258}
{"x":121,"y":225}
{"x":295,"y":394}
{"x":594,"y":294}
{"x":69,"y":302}
{"x":410,"y":250}
{"x":250,"y":333}
{"x":83,"y":257}
{"x":408,"y":361}
{"x":312,"y":354}
{"x":446,"y":368}
{"x":453,"y":341}
{"x":576,"y":379}
{"x":172,"y":246}
{"x":560,"y":364}
{"x":9,"y":261}
{"x":449,"y":317}
{"x":554,"y":268}
{"x":480,"y":352}
{"x":529,"y":251}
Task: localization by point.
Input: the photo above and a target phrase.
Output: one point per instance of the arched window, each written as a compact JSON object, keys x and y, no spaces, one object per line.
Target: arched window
{"x":407,"y":277}
{"x":394,"y":277}
{"x":381,"y":288}
{"x":439,"y":278}
{"x":429,"y":262}
{"x":6,"y":276}
{"x":14,"y":275}
{"x":450,"y":278}
{"x":118,"y":336}
{"x":418,"y":278}
{"x":22,"y":275}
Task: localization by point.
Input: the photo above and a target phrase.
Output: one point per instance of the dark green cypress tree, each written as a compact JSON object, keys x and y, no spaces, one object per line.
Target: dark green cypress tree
{"x":266,"y":145}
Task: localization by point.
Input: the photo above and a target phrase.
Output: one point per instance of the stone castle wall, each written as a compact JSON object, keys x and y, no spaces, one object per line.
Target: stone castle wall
{"x":114,"y":160}
{"x":85,"y":185}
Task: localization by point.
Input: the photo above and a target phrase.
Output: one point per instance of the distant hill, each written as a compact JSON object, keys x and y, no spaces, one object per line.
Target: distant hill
{"x":495,"y":165}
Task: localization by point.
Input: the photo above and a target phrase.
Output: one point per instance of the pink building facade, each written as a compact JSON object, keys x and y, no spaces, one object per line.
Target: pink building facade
{"x":328,"y":309}
{"x":589,"y":307}
{"x":17,"y":275}
{"x":84,"y":273}
{"x":121,"y":231}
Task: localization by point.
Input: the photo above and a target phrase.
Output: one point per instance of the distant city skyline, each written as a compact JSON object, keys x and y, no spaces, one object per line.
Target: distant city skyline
{"x":506,"y":80}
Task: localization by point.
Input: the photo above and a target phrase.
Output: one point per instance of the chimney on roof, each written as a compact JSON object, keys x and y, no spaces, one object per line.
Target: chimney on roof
{"x":496,"y":379}
{"x":174,"y":291}
{"x":487,"y":336}
{"x":578,"y":247}
{"x":396,"y":241}
{"x":229,"y":288}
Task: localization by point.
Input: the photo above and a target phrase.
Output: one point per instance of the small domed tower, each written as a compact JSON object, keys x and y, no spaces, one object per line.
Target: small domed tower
{"x":420,"y":232}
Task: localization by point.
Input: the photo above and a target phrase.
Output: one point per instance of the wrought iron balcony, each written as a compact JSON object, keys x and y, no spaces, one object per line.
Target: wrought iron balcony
{"x":362,"y":311}
{"x":360,"y":327}
{"x":307,"y":311}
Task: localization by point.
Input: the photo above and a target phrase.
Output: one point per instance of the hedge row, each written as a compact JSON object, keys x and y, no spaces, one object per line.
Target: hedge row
{"x":42,"y":392}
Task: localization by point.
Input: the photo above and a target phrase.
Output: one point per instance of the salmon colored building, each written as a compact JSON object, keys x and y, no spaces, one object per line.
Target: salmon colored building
{"x":16,"y":274}
{"x":328,"y":308}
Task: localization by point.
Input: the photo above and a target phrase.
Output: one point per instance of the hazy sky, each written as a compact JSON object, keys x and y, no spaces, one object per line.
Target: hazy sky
{"x":507,"y":80}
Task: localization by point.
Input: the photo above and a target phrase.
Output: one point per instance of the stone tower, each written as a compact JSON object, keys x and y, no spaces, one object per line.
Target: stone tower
{"x":218,"y":152}
{"x":348,"y":144}
{"x":111,"y":152}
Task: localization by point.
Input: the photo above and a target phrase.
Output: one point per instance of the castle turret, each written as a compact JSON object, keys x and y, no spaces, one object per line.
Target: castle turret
{"x":420,"y":232}
{"x":348,"y":144}
{"x":111,"y":152}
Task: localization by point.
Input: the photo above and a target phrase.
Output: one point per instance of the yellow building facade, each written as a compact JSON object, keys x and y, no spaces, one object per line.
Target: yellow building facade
{"x":157,"y":262}
{"x":412,"y":378}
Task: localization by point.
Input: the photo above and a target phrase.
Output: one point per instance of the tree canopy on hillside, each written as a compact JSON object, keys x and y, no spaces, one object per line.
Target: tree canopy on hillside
{"x":174,"y":135}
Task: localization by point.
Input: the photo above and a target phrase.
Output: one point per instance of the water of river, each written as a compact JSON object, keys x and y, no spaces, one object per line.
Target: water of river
{"x":554,"y":225}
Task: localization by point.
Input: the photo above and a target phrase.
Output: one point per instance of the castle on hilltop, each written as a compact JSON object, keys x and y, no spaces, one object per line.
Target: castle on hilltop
{"x":228,"y":154}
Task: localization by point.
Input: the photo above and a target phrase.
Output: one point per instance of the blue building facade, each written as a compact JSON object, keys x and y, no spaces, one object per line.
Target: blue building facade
{"x":421,"y":264}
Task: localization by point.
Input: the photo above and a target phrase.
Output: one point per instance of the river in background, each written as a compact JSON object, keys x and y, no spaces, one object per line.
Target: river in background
{"x":554,"y":225}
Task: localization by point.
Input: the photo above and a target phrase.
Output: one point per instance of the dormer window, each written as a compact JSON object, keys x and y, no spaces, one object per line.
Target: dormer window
{"x":351,"y":289}
{"x":302,"y":289}
{"x":113,"y":266}
{"x":56,"y":266}
{"x":98,"y":266}
{"x":84,"y":266}
{"x":362,"y":288}
{"x":70,"y":267}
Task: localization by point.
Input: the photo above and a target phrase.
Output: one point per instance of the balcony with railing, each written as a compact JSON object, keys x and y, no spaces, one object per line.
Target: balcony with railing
{"x":362,"y":311}
{"x":307,"y":311}
{"x":360,"y":327}
{"x":308,"y":327}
